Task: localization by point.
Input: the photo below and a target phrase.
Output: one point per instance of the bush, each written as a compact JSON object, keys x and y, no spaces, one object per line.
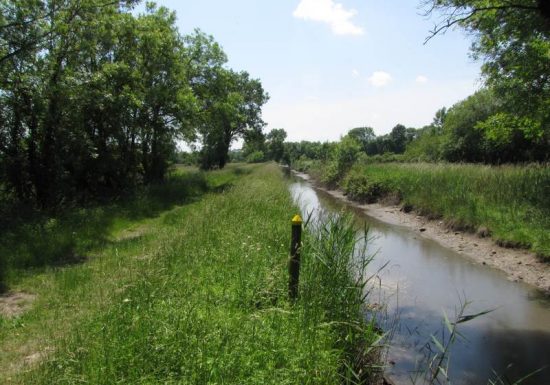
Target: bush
{"x":362,"y":188}
{"x":255,"y":157}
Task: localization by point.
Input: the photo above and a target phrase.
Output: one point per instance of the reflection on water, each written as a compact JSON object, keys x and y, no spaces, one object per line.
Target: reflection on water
{"x":423,"y":279}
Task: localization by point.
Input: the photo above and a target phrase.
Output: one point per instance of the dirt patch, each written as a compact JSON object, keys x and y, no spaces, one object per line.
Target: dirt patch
{"x":37,"y":357}
{"x":519,"y":264}
{"x":131,"y":234}
{"x":14,"y":304}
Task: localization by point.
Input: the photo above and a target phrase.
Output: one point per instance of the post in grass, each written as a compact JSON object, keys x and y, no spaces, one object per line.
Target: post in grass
{"x":294,"y":262}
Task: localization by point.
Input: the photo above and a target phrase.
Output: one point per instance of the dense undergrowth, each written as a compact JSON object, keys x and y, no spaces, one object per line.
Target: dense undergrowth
{"x":511,"y":203}
{"x":193,"y":292}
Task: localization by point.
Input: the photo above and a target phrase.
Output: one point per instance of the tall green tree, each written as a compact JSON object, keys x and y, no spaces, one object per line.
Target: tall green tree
{"x":513,"y":40}
{"x":95,"y":104}
{"x":275,"y":144}
{"x":232,"y":111}
{"x":364,"y":135}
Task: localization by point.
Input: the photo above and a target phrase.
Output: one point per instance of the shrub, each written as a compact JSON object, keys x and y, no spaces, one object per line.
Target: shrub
{"x":255,"y":157}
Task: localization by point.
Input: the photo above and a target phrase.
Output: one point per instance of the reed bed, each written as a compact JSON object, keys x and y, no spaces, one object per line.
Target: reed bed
{"x":511,"y":202}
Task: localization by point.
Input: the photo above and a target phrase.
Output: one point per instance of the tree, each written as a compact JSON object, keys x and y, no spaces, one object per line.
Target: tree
{"x":254,"y":141}
{"x":363,"y":135}
{"x":275,"y":144}
{"x":27,"y":25}
{"x":439,"y":120}
{"x":229,"y":102}
{"x":346,"y":153}
{"x":462,"y":141}
{"x":468,"y":13}
{"x":94,"y":98}
{"x":94,"y":106}
{"x":232,"y":111}
{"x":513,"y":40}
{"x":398,"y":137}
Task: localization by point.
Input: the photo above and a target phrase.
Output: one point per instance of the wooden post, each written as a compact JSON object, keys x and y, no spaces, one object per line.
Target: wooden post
{"x":294,"y":262}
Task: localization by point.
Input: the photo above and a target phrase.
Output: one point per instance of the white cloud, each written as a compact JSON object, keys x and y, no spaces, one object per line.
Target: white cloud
{"x":421,"y":79}
{"x":331,"y":13}
{"x":380,"y":79}
{"x":355,"y":73}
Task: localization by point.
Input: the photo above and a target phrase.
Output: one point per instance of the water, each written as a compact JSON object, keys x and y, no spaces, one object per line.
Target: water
{"x":423,"y":279}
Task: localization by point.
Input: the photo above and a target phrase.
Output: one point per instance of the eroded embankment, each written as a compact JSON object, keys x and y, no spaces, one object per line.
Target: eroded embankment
{"x":518,"y":264}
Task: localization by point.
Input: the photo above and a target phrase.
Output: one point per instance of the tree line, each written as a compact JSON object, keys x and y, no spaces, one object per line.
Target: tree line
{"x":94,"y":98}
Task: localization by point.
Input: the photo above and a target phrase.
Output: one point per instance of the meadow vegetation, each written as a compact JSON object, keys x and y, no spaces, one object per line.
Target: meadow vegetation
{"x":511,"y":203}
{"x":189,"y":285}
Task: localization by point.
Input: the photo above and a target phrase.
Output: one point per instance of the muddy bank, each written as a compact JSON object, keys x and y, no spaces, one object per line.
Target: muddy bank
{"x":519,"y":265}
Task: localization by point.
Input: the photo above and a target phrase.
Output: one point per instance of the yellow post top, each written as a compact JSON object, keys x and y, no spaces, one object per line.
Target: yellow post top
{"x":297,"y":220}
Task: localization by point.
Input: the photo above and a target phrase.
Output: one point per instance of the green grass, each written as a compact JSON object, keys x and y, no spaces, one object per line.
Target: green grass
{"x":193,"y":291}
{"x":513,"y":202}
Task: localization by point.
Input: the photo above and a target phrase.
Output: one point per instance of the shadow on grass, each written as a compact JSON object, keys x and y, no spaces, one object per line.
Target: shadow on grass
{"x":31,"y":239}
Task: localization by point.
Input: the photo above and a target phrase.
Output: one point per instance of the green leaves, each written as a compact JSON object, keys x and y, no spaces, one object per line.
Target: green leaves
{"x":94,"y":98}
{"x":513,"y":40}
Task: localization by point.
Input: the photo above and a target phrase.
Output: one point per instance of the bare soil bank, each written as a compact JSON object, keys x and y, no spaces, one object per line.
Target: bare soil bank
{"x":519,"y":265}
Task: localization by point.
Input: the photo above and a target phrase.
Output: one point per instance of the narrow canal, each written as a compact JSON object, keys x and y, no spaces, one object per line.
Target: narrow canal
{"x":422,"y":280}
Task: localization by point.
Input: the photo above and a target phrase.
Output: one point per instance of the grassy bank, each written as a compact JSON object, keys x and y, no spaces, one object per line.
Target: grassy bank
{"x":511,"y":203}
{"x":193,"y":292}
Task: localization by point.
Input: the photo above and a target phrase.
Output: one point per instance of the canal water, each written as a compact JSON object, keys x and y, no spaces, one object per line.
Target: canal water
{"x":422,"y":279}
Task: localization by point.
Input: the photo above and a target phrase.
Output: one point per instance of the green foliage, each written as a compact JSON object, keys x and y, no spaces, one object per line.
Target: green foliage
{"x":253,"y":141}
{"x":94,"y":98}
{"x":255,"y":157}
{"x":363,"y":135}
{"x":346,"y":153}
{"x":232,"y":110}
{"x":513,"y":40}
{"x":512,"y":138}
{"x":36,"y":239}
{"x":462,"y":142}
{"x":359,"y":188}
{"x":427,"y":147}
{"x":309,"y":150}
{"x":3,"y":269}
{"x":275,"y":144}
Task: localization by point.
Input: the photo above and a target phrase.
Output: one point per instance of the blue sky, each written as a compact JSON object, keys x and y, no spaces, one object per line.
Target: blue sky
{"x":331,"y":65}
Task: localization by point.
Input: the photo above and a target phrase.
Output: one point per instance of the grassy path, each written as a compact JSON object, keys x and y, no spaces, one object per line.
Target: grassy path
{"x":196,"y":295}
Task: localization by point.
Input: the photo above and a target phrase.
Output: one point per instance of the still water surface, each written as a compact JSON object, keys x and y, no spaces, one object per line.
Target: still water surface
{"x":423,"y":279}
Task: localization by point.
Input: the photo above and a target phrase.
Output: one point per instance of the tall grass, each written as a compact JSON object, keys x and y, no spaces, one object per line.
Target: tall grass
{"x":35,"y":239}
{"x":335,"y":287}
{"x":199,"y":297}
{"x":511,"y":202}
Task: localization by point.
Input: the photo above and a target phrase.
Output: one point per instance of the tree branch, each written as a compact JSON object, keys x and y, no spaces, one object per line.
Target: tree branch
{"x":456,"y":17}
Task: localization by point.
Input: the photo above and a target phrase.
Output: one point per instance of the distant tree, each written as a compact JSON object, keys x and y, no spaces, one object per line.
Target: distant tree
{"x":462,"y":141}
{"x":398,"y":137}
{"x":275,"y":144}
{"x":346,"y":153}
{"x":363,"y":135}
{"x":439,"y":120}
{"x":255,"y":157}
{"x":254,"y":141}
{"x":426,"y":146}
{"x":232,"y":110}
